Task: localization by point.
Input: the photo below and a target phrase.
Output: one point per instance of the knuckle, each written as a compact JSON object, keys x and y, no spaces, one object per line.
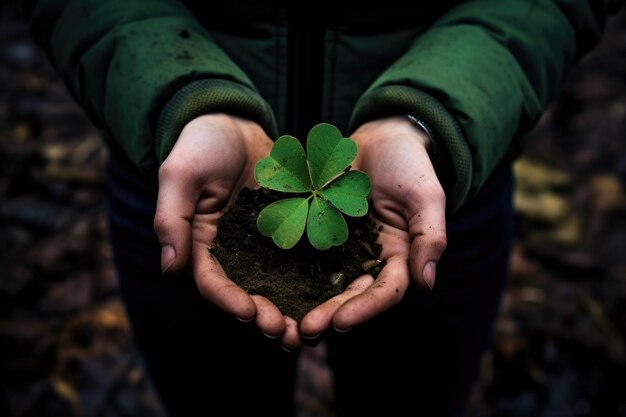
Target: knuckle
{"x":160,"y":222}
{"x":426,"y":191}
{"x":429,"y":237}
{"x":433,"y":192}
{"x":438,"y":239}
{"x":170,"y":169}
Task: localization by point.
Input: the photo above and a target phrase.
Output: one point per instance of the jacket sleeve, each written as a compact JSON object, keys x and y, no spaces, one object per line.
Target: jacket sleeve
{"x":483,"y":74}
{"x":141,"y":69}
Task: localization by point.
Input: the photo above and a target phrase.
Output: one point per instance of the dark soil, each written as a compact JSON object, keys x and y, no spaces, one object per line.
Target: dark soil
{"x":296,"y":279}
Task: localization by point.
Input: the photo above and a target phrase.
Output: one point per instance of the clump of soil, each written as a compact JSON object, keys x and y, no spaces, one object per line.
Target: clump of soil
{"x":297,"y":279}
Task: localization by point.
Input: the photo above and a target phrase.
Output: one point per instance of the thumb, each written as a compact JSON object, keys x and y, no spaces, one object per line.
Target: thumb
{"x":427,"y":229}
{"x":172,"y":222}
{"x":425,"y":253}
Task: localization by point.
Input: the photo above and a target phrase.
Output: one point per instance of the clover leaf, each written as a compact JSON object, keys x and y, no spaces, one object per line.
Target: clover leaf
{"x":333,"y":189}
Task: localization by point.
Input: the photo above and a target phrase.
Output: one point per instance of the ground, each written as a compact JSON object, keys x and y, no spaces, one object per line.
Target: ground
{"x":559,"y":347}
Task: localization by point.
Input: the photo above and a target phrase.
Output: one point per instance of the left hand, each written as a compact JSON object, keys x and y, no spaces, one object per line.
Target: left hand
{"x":409,"y":203}
{"x":212,"y":160}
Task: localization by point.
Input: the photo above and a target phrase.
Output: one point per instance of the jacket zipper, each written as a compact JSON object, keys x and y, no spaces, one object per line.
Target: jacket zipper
{"x":305,"y":69}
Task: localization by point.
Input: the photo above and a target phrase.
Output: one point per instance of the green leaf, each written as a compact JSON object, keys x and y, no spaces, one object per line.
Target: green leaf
{"x":326,"y":226}
{"x":284,"y":221}
{"x":329,"y":153}
{"x":332,"y":189}
{"x":285,"y":169}
{"x":349,"y":193}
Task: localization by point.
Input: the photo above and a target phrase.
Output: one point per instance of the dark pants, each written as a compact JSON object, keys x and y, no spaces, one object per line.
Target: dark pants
{"x":419,"y":358}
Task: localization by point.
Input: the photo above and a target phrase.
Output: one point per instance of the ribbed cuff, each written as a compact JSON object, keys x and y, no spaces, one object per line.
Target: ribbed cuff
{"x":455,"y":158}
{"x":209,"y":96}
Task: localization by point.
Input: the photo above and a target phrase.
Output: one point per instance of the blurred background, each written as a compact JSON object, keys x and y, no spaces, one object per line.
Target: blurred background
{"x":65,"y":345}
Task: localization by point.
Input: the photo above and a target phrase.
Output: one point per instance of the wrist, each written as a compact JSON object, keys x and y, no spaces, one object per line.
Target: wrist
{"x":394,"y":127}
{"x":433,"y":144}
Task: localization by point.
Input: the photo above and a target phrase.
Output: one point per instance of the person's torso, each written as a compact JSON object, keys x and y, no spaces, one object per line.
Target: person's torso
{"x":312,"y":61}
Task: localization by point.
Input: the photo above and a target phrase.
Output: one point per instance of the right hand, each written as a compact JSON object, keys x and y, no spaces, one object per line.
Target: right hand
{"x":409,"y":204}
{"x":212,"y":160}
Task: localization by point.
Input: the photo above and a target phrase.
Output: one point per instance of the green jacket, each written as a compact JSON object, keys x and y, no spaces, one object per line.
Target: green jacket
{"x":479,"y":72}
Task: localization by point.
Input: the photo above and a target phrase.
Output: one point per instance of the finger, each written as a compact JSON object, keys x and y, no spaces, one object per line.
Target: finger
{"x":175,"y":209}
{"x":216,"y":287}
{"x":320,"y":318}
{"x":427,"y":231}
{"x":291,"y":339}
{"x":268,"y":317}
{"x":388,"y":289}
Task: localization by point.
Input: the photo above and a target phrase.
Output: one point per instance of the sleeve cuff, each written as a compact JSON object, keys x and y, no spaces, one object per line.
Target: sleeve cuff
{"x":454,"y":165}
{"x":208,"y":96}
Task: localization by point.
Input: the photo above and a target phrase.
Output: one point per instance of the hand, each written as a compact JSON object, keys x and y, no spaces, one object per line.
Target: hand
{"x":212,"y":160}
{"x":409,"y":203}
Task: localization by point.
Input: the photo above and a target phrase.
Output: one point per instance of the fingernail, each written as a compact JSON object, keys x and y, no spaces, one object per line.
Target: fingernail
{"x":245,"y":320}
{"x":311,"y":341}
{"x":342,"y":330}
{"x":286,"y":349}
{"x":428,"y":274}
{"x":269,"y":336}
{"x":168,"y":256}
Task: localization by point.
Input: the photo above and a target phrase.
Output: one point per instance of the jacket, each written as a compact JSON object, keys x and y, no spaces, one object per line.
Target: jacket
{"x":480,"y":72}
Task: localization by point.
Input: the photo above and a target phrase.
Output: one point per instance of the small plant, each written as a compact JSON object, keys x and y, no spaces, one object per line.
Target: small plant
{"x":326,"y":176}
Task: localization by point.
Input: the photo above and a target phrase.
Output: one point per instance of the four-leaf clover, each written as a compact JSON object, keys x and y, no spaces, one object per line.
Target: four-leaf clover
{"x":332,"y":188}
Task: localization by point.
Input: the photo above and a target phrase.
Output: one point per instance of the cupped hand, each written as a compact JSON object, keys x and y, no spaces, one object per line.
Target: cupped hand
{"x":212,"y":160}
{"x":409,"y":203}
